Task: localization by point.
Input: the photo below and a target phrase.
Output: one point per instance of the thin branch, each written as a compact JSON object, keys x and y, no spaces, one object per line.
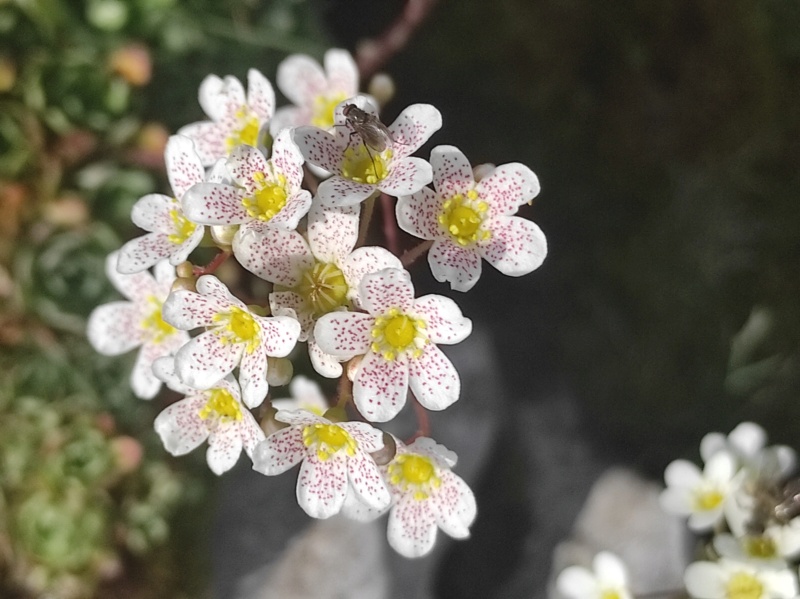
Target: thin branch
{"x":423,"y":422}
{"x":389,"y":224}
{"x":410,"y":256}
{"x":366,"y":218}
{"x":211,"y":266}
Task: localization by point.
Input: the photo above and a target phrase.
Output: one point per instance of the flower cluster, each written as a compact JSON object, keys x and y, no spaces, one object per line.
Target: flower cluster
{"x":742,"y":496}
{"x":290,"y":195}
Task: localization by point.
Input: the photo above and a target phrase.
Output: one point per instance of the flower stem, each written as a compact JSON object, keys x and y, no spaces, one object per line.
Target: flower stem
{"x":344,"y":391}
{"x":366,"y":218}
{"x":410,"y":256}
{"x":389,"y":224}
{"x":423,"y":422}
{"x":211,"y":266}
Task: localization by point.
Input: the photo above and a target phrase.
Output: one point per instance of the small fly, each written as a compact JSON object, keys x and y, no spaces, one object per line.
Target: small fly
{"x":368,"y":127}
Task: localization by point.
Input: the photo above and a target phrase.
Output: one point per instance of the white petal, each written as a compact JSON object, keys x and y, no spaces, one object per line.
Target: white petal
{"x":115,"y":328}
{"x":507,"y":187}
{"x":322,"y":486}
{"x":517,"y":246}
{"x":705,"y":580}
{"x":449,"y":262}
{"x":446,"y":323}
{"x":452,"y":172}
{"x":205,"y":360}
{"x":279,"y":452}
{"x":413,"y":127}
{"x":433,"y":379}
{"x":184,"y":167}
{"x":180,"y":427}
{"x":332,"y":232}
{"x":224,"y":449}
{"x":386,"y":289}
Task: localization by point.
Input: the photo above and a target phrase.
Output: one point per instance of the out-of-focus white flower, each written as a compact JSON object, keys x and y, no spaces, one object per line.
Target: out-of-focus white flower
{"x":608,"y":579}
{"x":727,"y":579}
{"x":699,"y":495}
{"x":747,"y":442}
{"x":305,"y":395}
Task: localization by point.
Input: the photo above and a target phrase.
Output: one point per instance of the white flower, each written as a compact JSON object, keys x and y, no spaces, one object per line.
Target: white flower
{"x":426,"y":496}
{"x":216,"y":414}
{"x":470,"y":221}
{"x":747,"y":442}
{"x":315,"y":93}
{"x":359,"y":171}
{"x":728,"y":579}
{"x":699,"y":495}
{"x":314,"y":277}
{"x":235,"y":118}
{"x":608,"y":579}
{"x":171,"y":235}
{"x":335,"y":461}
{"x":118,"y":327}
{"x":766,"y":550}
{"x":263,"y":194}
{"x":234,"y":336}
{"x":397,"y":338}
{"x":305,"y":395}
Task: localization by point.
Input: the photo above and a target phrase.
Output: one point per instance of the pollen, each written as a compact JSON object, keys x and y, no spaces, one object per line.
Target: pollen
{"x":246,"y":129}
{"x":708,"y":499}
{"x":221,"y":406}
{"x":183,"y":228}
{"x":414,"y":472}
{"x":744,"y":586}
{"x":324,"y":108}
{"x":760,"y":547}
{"x":238,"y":326}
{"x":268,"y":199}
{"x":462,"y":217}
{"x":328,"y":439}
{"x":363,"y":165}
{"x":395,"y":334}
{"x":324,"y":288}
{"x":154,"y":322}
{"x":610,"y":594}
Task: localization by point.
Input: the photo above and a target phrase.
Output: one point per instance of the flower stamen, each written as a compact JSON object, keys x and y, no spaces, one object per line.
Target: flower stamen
{"x":395,"y":334}
{"x":238,"y":326}
{"x":221,"y":406}
{"x":324,"y":288}
{"x":329,"y":440}
{"x":414,"y":471}
{"x":462,"y":216}
{"x":365,"y":166}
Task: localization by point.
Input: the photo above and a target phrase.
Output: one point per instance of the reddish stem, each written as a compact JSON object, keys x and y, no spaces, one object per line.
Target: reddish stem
{"x":410,"y":256}
{"x":423,"y":422}
{"x":344,"y":391}
{"x":366,"y":219}
{"x":373,"y":54}
{"x":211,"y":266}
{"x":389,"y":224}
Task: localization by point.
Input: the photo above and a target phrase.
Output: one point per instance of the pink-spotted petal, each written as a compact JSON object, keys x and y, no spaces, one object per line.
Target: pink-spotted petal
{"x":433,"y":379}
{"x":287,"y":159}
{"x":461,"y":267}
{"x":180,"y":427}
{"x":367,"y":482}
{"x":282,"y":301}
{"x":209,"y":140}
{"x":137,"y":286}
{"x":206,"y":360}
{"x":250,"y":433}
{"x":184,"y":167}
{"x":210,"y":285}
{"x":446,"y":323}
{"x":517,"y":246}
{"x":144,"y":382}
{"x":301,"y":79}
{"x":325,"y":364}
{"x":215,"y":204}
{"x":152,"y":213}
{"x":253,"y":377}
{"x":215,"y":95}
{"x":418,"y":214}
{"x":455,"y":505}
{"x":224,"y":448}
{"x":143,"y":252}
{"x":507,"y":187}
{"x":275,"y":255}
{"x":332,"y":232}
{"x":181,"y":253}
{"x":322,"y":486}
{"x":243,"y":163}
{"x":300,"y":416}
{"x":366,"y":260}
{"x":115,"y":328}
{"x":318,"y":147}
{"x":278,"y":335}
{"x":164,"y":370}
{"x":260,"y":95}
{"x":369,"y":438}
{"x":452,"y":172}
{"x":380,"y":387}
{"x":408,"y":175}
{"x":186,"y":310}
{"x":287,"y":117}
{"x":413,"y":127}
{"x":344,"y":334}
{"x":386,"y":289}
{"x":411,"y":530}
{"x":342,"y":71}
{"x":338,"y":191}
{"x":296,"y":207}
{"x":280,"y":451}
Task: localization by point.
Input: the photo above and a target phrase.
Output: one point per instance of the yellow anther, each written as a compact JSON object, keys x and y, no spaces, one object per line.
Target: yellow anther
{"x":708,"y":499}
{"x":246,"y":130}
{"x":268,"y":199}
{"x":760,"y":547}
{"x":744,"y":586}
{"x":238,"y":326}
{"x":396,"y":333}
{"x":365,"y":166}
{"x":324,"y":288}
{"x":184,"y":228}
{"x":414,"y":472}
{"x":154,"y":323}
{"x":222,"y":406}
{"x":328,"y":439}
{"x":323,"y":109}
{"x":462,"y":218}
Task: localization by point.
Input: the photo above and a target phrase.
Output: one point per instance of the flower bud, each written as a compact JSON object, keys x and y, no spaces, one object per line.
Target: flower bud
{"x":385,"y":455}
{"x":185,"y":270}
{"x":8,"y":74}
{"x":187,"y":283}
{"x":479,"y":171}
{"x":223,"y":235}
{"x":279,"y":371}
{"x":381,"y":87}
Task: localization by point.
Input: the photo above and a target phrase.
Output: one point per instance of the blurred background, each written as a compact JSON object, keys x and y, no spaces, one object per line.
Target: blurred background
{"x":666,"y":137}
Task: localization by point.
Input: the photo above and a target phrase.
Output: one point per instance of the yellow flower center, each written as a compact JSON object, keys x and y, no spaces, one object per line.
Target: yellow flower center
{"x":328,"y":439}
{"x":462,"y":216}
{"x":154,"y":322}
{"x":324,"y":288}
{"x":610,"y":594}
{"x":708,"y":499}
{"x":744,"y":586}
{"x":363,"y":165}
{"x":222,"y":406}
{"x":246,"y":130}
{"x":238,"y":326}
{"x":760,"y":547}
{"x":395,"y":333}
{"x":323,"y":109}
{"x":183,"y":227}
{"x":410,"y":470}
{"x":268,"y":199}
